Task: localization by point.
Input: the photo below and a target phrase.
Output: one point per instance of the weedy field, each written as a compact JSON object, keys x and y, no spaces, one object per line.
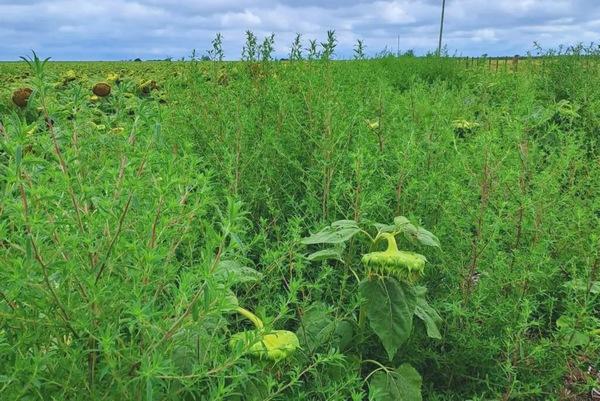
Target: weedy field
{"x":388,"y":229}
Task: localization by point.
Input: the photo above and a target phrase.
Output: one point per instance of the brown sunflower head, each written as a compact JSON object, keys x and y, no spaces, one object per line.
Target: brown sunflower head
{"x":101,"y":89}
{"x":21,"y":96}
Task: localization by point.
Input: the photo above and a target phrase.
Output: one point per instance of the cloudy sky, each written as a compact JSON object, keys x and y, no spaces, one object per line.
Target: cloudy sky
{"x":125,"y":29}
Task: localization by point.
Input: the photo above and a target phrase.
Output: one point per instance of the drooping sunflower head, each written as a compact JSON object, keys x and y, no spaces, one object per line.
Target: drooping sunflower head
{"x":274,"y":345}
{"x":404,"y":265}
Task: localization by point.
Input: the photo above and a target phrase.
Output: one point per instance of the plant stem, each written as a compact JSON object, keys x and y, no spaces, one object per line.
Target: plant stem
{"x":250,"y":316}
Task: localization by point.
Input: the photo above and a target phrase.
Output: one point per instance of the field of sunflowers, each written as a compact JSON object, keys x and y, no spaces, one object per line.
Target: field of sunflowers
{"x":388,"y":229}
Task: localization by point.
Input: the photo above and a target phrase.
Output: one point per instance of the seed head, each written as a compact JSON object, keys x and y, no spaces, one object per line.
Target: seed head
{"x":21,"y":96}
{"x":101,"y":89}
{"x":404,"y":265}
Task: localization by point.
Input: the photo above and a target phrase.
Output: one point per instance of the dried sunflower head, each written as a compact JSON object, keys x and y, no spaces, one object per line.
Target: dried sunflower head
{"x":404,"y":265}
{"x":20,"y":97}
{"x":101,"y":89}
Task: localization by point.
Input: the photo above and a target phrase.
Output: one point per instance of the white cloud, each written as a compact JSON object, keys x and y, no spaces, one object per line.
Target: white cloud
{"x":120,"y":29}
{"x":245,"y":18}
{"x":393,"y":12}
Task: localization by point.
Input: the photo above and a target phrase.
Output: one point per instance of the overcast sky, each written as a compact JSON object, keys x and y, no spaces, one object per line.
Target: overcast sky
{"x":125,"y":29}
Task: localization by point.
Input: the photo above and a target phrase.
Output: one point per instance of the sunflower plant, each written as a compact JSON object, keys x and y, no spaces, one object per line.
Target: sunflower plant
{"x":391,"y":297}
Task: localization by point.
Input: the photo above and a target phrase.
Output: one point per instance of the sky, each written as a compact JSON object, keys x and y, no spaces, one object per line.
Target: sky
{"x":157,"y":29}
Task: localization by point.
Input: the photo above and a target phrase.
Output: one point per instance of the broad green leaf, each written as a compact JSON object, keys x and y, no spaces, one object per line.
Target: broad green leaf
{"x":410,"y":232}
{"x":234,"y":272}
{"x":324,"y":254}
{"x":427,"y":238}
{"x":402,"y":384}
{"x":254,"y":389}
{"x":577,"y":338}
{"x":319,"y":328}
{"x":385,"y":228}
{"x":401,"y":221}
{"x":569,"y":334}
{"x":427,"y":314}
{"x":390,"y":307}
{"x":414,"y":233}
{"x":344,"y":224}
{"x":230,"y":301}
{"x":339,"y":232}
{"x":344,"y":332}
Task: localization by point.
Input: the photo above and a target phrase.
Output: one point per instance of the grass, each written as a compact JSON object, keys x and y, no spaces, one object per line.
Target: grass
{"x":129,"y":226}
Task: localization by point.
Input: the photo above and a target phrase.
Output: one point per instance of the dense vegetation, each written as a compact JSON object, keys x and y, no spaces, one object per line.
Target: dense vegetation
{"x":133,"y":225}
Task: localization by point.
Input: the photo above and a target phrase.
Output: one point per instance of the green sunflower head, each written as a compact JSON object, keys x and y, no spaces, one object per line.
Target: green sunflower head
{"x":273,"y":345}
{"x":404,"y":265}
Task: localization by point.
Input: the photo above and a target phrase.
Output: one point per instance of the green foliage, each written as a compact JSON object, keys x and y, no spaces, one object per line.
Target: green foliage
{"x":329,"y":46}
{"x":267,"y":47}
{"x":217,"y":53}
{"x":359,"y":50}
{"x":312,"y":49}
{"x":251,"y":48}
{"x":427,"y":314}
{"x":337,"y":233}
{"x":402,"y":384}
{"x":390,"y":306}
{"x":296,"y":48}
{"x":133,"y":226}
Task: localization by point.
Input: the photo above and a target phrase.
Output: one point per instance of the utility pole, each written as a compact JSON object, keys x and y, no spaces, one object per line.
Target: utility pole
{"x":439,"y":51}
{"x":398,"y":47}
